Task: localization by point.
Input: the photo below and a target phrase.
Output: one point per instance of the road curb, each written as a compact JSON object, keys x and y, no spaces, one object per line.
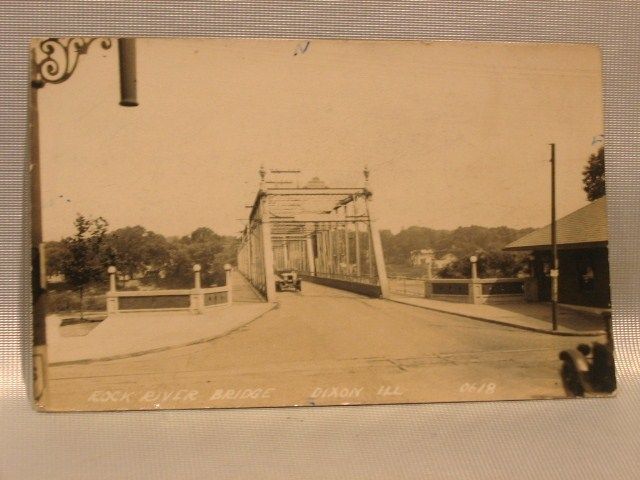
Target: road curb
{"x":589,"y":333}
{"x":86,"y":361}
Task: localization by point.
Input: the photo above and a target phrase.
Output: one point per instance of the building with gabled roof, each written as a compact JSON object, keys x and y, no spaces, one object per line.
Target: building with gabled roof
{"x":582,"y":238}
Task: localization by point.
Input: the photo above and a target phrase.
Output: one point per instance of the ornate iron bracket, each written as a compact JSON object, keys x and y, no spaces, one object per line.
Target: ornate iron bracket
{"x":60,"y":58}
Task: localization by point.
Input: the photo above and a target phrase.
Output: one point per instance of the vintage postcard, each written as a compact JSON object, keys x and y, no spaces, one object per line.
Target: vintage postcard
{"x":246,"y":223}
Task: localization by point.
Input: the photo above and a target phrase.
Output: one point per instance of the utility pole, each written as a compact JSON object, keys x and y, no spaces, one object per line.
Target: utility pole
{"x":554,"y":243}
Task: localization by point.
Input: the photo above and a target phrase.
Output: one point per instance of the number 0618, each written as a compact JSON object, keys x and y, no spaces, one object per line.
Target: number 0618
{"x":487,"y":388}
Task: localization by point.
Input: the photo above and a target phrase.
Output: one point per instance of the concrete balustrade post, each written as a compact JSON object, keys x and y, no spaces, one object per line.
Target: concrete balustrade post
{"x":197,"y":281}
{"x":428,"y":292}
{"x":112,"y":278}
{"x":112,"y":299}
{"x":475,"y":288}
{"x":196,"y":302}
{"x":428,"y":288}
{"x":474,"y":267}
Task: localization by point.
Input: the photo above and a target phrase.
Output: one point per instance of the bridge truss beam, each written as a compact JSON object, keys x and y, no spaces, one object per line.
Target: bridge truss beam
{"x":326,"y":234}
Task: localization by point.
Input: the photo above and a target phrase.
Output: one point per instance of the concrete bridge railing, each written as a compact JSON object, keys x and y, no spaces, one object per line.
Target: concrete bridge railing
{"x":464,"y":290}
{"x":476,"y":290}
{"x":406,"y":286}
{"x":195,"y":300}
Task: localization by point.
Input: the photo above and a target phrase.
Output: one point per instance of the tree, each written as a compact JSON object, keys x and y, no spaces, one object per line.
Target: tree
{"x":493,"y":264}
{"x":593,"y":176}
{"x":203,"y":235}
{"x":82,"y":263}
{"x":397,"y":248}
{"x":125,"y":244}
{"x":178,"y":270}
{"x":136,"y":250}
{"x":204,"y":247}
{"x":461,"y":242}
{"x":138,"y":253}
{"x":460,"y":268}
{"x":56,"y":253}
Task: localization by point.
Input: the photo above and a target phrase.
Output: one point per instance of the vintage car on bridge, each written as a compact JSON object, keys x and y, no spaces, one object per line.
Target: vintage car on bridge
{"x":288,"y":280}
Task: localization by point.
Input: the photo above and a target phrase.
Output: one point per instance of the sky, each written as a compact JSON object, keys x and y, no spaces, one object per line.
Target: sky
{"x":454,"y":133}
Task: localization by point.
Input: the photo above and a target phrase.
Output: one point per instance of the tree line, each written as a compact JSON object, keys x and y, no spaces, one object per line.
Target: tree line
{"x":485,"y":243}
{"x":138,"y":253}
{"x":462,"y":242}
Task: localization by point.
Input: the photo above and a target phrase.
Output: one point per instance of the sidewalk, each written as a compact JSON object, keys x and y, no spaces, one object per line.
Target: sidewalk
{"x":243,"y":292}
{"x":527,"y":316}
{"x":131,"y":334}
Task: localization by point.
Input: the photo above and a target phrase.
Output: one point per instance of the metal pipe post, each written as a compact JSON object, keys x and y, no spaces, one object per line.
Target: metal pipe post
{"x":554,"y":243}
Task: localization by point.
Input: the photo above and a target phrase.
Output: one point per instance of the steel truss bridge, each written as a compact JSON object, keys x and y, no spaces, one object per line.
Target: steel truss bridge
{"x":327,"y":235}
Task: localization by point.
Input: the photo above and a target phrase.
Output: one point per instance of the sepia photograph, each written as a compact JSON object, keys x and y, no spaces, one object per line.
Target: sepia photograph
{"x":226,"y":223}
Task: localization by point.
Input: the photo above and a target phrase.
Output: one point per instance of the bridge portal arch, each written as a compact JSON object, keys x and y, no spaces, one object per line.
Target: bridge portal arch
{"x":329,"y":235}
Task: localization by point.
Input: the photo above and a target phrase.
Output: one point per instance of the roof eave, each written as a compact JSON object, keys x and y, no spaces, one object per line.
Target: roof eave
{"x":561,"y":246}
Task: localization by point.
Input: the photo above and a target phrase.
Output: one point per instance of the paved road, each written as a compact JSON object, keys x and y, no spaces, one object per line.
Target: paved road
{"x":324,"y":346}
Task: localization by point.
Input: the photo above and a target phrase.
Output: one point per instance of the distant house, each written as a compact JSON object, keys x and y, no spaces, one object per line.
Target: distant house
{"x":421,"y":257}
{"x":427,"y":256}
{"x":582,"y":238}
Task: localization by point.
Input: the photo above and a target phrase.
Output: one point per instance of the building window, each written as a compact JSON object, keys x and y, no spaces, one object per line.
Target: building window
{"x":545,"y":265}
{"x":586,"y":274}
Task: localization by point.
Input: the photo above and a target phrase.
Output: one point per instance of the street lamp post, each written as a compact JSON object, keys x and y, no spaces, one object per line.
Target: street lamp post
{"x":54,"y":61}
